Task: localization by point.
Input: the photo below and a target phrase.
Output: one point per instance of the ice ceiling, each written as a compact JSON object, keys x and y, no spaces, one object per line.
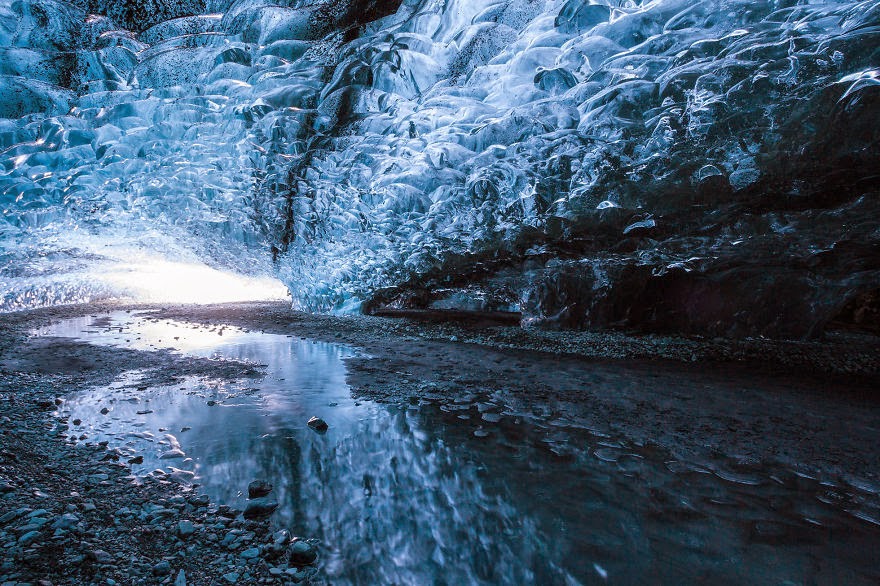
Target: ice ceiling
{"x":707,"y":167}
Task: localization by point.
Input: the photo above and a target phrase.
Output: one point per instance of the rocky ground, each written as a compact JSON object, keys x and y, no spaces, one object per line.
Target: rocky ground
{"x":72,"y":513}
{"x":840,"y":353}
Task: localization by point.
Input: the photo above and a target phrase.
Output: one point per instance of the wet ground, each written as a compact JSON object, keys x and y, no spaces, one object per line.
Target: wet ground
{"x":448,"y":463}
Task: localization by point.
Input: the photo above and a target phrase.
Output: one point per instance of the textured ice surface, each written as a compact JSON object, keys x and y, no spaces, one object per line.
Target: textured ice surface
{"x":703,"y":166}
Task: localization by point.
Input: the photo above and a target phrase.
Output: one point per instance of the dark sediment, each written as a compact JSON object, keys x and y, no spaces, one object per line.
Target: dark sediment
{"x":810,"y":406}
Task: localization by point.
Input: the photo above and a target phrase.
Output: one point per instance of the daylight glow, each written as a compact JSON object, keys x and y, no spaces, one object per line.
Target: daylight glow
{"x":181,"y":282}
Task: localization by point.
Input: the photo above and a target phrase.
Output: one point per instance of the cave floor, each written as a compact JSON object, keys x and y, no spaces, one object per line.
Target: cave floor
{"x":700,"y":459}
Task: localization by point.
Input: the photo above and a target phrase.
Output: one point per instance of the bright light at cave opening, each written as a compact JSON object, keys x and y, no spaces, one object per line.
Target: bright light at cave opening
{"x":182,"y":282}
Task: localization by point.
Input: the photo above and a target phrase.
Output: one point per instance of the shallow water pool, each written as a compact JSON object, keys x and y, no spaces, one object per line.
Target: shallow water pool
{"x":476,"y":490}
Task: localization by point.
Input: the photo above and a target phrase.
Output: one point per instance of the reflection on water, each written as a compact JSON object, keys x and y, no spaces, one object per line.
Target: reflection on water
{"x":410,"y":494}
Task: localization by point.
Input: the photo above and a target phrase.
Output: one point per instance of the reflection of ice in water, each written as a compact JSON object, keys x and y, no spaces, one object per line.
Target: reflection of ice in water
{"x":409,"y":495}
{"x":144,"y":333}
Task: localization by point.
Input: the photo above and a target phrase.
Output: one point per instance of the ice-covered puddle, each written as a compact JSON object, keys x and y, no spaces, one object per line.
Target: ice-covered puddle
{"x":411,"y":495}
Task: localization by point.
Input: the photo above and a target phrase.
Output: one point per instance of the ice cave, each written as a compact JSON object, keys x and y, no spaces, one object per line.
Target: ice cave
{"x":439,"y":292}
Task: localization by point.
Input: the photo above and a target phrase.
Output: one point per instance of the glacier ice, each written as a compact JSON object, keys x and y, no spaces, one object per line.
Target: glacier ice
{"x":702,"y":166}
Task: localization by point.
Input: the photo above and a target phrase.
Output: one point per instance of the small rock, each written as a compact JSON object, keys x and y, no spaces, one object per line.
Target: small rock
{"x":227,"y":511}
{"x":231,"y":577}
{"x":318,"y":424}
{"x":201,"y":500}
{"x":258,"y":488}
{"x":100,"y":556}
{"x":28,"y":538}
{"x":66,"y":521}
{"x":251,"y":553}
{"x":302,"y":553}
{"x":297,"y":575}
{"x":181,"y":579}
{"x":260,"y":507}
{"x":105,"y":411}
{"x":185,"y":528}
{"x":163,"y":568}
{"x":77,"y":421}
{"x":172,"y":454}
{"x":13,"y":515}
{"x":97,"y":478}
{"x":136,"y":460}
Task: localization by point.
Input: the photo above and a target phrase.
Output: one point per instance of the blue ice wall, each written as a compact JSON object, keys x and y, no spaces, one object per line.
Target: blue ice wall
{"x":706,"y":167}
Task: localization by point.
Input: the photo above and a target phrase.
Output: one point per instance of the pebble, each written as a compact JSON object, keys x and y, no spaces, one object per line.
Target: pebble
{"x":65,"y":521}
{"x":318,"y":424}
{"x":28,"y":538}
{"x":296,"y":574}
{"x":12,"y":515}
{"x":260,"y":507}
{"x":100,"y":556}
{"x":302,"y":553}
{"x":258,"y":488}
{"x":163,"y":568}
{"x":185,"y":528}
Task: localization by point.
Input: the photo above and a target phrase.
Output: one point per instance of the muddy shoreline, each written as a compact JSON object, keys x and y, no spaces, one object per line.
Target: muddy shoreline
{"x":811,"y":408}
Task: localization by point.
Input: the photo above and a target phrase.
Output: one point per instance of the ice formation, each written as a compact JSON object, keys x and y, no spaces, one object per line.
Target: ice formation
{"x":705,"y":166}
